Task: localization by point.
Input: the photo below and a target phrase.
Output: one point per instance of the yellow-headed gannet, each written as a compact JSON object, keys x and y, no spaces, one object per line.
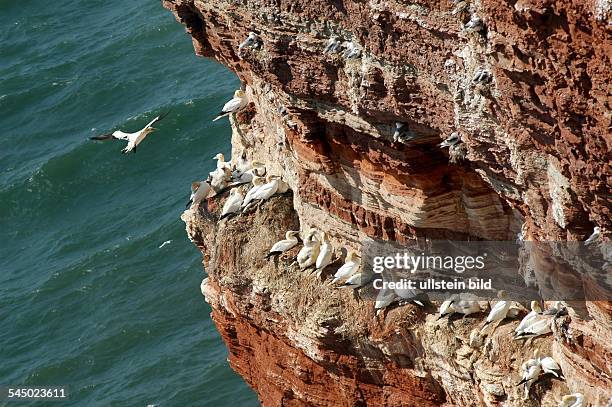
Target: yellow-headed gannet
{"x":325,"y":254}
{"x":232,"y":204}
{"x":541,"y":326}
{"x":308,"y":254}
{"x":257,"y":183}
{"x":199,"y":191}
{"x":255,"y":168}
{"x":357,"y":280}
{"x":594,"y":236}
{"x":289,"y":242}
{"x":282,"y":186}
{"x":237,"y":103}
{"x":451,"y":140}
{"x":572,"y":400}
{"x":530,"y":318}
{"x":133,"y":139}
{"x":268,"y":189}
{"x":531,"y":371}
{"x":352,"y":263}
{"x":221,"y":163}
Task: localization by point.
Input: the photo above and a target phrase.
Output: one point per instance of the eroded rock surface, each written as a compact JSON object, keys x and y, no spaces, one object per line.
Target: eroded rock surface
{"x":529,"y":94}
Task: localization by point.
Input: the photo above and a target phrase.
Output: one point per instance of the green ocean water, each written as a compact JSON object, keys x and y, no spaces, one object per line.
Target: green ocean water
{"x":87,"y":297}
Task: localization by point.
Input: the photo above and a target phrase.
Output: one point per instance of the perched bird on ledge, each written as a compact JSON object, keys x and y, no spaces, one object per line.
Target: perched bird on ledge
{"x":234,"y":105}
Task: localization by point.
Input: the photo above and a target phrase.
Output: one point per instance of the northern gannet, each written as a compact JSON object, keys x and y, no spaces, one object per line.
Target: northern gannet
{"x":232,"y":204}
{"x":594,"y":236}
{"x":499,"y":311}
{"x":351,"y":51}
{"x":531,"y":371}
{"x":474,"y":25}
{"x":266,"y":190}
{"x":482,"y":76}
{"x":530,"y":318}
{"x":350,"y":267}
{"x":384,"y":298}
{"x":237,"y":103}
{"x":133,"y":139}
{"x":289,"y":242}
{"x":325,"y":254}
{"x":549,"y":365}
{"x":218,"y":178}
{"x":407,"y":294}
{"x":256,"y":169}
{"x":402,"y":134}
{"x":252,"y":40}
{"x":282,"y":186}
{"x":257,"y":183}
{"x":537,"y":328}
{"x":333,"y":45}
{"x":446,"y":308}
{"x":451,"y":140}
{"x":357,"y":280}
{"x":572,"y":400}
{"x":466,"y":307}
{"x":221,"y":163}
{"x":308,"y":254}
{"x":199,"y":191}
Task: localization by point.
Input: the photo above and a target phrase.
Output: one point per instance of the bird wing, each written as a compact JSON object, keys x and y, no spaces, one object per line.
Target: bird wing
{"x":102,"y":137}
{"x":156,"y":119}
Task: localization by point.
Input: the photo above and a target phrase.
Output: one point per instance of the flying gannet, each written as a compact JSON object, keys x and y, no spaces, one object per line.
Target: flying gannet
{"x":325,"y":254}
{"x":594,"y":236}
{"x":451,"y":140}
{"x":237,"y":103}
{"x":199,"y":191}
{"x":133,"y":139}
{"x":352,"y":263}
{"x":232,"y":204}
{"x":289,"y":242}
{"x":572,"y":400}
{"x":308,"y":254}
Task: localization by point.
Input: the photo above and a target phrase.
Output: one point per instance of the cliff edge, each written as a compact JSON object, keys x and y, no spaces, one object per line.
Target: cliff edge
{"x":523,"y":84}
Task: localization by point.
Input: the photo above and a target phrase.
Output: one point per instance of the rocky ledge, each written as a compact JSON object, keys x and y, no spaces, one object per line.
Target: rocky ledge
{"x":523,"y":84}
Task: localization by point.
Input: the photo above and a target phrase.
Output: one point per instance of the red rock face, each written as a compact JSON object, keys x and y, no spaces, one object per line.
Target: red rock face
{"x":535,"y":151}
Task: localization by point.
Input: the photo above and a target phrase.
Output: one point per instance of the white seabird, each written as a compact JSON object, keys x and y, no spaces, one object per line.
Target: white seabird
{"x":549,"y":365}
{"x":384,"y":298}
{"x":594,"y":236}
{"x":199,"y":191}
{"x":232,"y":204}
{"x":482,"y":76}
{"x":133,"y":139}
{"x":308,"y":254}
{"x":572,"y":400}
{"x":531,"y":371}
{"x":325,"y":254}
{"x":350,"y":267}
{"x":333,"y":45}
{"x":474,"y":25}
{"x":530,"y":318}
{"x":221,"y":163}
{"x":242,"y":176}
{"x":218,"y":178}
{"x":251,"y":41}
{"x":237,"y":103}
{"x":466,"y":307}
{"x":282,"y":186}
{"x":352,"y":51}
{"x":357,"y":280}
{"x":266,"y":190}
{"x":451,"y":140}
{"x":257,"y":182}
{"x":539,"y":327}
{"x":447,"y":308}
{"x":289,"y":242}
{"x":499,"y":311}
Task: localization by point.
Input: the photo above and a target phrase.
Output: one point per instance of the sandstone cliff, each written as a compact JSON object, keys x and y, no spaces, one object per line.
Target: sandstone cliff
{"x":529,"y":95}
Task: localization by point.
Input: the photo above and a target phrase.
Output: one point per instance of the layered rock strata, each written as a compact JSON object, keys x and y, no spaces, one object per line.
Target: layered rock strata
{"x":528,"y":94}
